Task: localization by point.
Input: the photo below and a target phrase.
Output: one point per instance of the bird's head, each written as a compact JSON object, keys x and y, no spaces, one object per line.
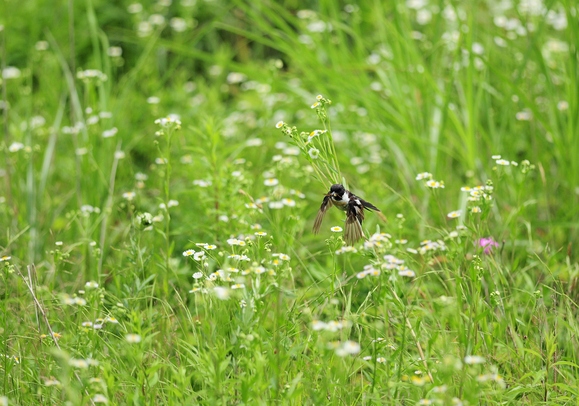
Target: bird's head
{"x":336,"y":191}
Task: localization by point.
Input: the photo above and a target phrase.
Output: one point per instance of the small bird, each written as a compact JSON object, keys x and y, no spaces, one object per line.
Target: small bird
{"x":354,"y":207}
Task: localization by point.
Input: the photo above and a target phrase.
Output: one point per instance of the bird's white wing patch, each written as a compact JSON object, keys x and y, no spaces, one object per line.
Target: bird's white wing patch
{"x":346,"y":198}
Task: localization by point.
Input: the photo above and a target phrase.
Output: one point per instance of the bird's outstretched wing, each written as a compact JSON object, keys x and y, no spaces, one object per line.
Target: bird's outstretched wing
{"x":326,"y":204}
{"x":370,"y":206}
{"x":353,"y":228}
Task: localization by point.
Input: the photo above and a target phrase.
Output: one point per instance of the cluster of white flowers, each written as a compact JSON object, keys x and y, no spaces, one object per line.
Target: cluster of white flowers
{"x":332,"y":326}
{"x":345,"y":348}
{"x":429,"y":245}
{"x":235,"y":241}
{"x":90,"y":74}
{"x":429,"y":181}
{"x":378,"y":240}
{"x":346,"y":249}
{"x":171,"y":122}
{"x":73,"y":301}
{"x":369,"y":270}
{"x":478,"y":193}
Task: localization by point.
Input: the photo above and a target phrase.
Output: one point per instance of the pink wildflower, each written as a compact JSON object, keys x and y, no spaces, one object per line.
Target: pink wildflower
{"x":488,"y":244}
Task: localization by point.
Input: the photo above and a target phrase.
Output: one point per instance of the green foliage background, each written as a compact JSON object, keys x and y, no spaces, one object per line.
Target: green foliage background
{"x":436,"y":86}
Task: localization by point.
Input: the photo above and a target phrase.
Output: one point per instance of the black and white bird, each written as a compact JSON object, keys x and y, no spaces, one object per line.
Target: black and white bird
{"x":352,"y":205}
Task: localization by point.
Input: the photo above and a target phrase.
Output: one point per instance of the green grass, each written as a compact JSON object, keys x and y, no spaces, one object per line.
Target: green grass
{"x":100,"y":298}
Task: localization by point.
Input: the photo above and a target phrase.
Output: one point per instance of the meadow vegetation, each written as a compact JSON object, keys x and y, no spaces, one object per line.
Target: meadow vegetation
{"x":162,"y":164}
